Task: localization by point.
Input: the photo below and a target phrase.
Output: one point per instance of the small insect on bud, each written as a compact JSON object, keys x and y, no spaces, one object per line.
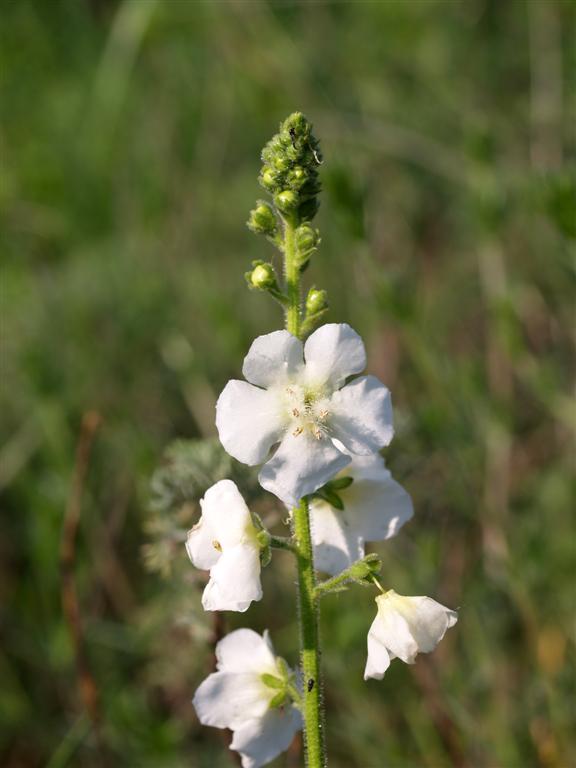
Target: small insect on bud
{"x":263,"y":276}
{"x":286,"y":200}
{"x":316,"y":301}
{"x":262,"y":219}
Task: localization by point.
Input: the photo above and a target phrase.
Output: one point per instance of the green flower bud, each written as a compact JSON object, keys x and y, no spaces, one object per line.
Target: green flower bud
{"x":262,"y":219}
{"x":269,"y":178}
{"x":290,"y":169}
{"x":307,"y":238}
{"x":308,"y":209}
{"x":297,"y":177}
{"x":295,"y":129}
{"x":263,"y":277}
{"x":274,"y":148}
{"x":316,"y":301}
{"x":281,"y":163}
{"x":286,"y":200}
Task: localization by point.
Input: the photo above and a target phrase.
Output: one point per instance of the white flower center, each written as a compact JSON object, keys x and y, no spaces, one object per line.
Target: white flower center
{"x":307,"y":410}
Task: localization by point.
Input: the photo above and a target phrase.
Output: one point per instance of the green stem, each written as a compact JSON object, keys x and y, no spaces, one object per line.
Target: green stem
{"x":292,"y":274}
{"x":358,"y":572}
{"x":335,"y":584}
{"x":308,"y":602}
{"x":309,"y":615}
{"x":281,"y":542}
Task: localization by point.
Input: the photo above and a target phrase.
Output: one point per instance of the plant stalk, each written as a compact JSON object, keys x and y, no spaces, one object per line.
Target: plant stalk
{"x":292,"y":275}
{"x":308,"y":602}
{"x":308,"y":620}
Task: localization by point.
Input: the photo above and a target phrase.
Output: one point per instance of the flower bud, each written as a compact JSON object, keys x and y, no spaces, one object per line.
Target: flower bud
{"x":309,"y":209}
{"x":269,"y":178}
{"x":307,"y":238}
{"x":262,"y":219}
{"x":297,"y":177}
{"x":281,"y":163}
{"x":263,"y":276}
{"x":290,"y":173}
{"x":316,"y":301}
{"x":286,"y":200}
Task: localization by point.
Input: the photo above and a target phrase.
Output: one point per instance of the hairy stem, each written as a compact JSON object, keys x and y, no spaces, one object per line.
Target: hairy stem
{"x":292,"y":275}
{"x":308,"y":620}
{"x":309,"y":609}
{"x":280,"y":542}
{"x":358,"y":572}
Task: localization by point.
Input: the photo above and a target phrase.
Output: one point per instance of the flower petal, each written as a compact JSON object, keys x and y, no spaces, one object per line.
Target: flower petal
{"x":378,"y":659}
{"x":377,"y":509}
{"x":260,"y":741}
{"x":226,"y":514}
{"x":429,"y":622}
{"x":272,"y":359}
{"x":333,"y":352}
{"x":227,"y":700}
{"x":245,"y":651}
{"x":336,"y":543}
{"x":300,"y":466}
{"x":249,"y":421}
{"x":234,"y":580}
{"x":361,"y":415}
{"x":200,"y":546}
{"x":392,"y":629}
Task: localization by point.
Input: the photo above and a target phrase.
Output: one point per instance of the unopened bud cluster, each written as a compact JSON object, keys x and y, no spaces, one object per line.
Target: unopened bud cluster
{"x":290,"y":171}
{"x":291,"y":160}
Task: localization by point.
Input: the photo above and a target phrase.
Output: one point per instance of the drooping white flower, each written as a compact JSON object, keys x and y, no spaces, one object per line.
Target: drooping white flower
{"x":296,"y":395}
{"x":375,"y":508}
{"x":225,"y":542}
{"x":246,"y":695}
{"x":404,"y":627}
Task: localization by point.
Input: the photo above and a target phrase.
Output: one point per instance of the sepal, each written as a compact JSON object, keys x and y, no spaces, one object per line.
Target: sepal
{"x":262,"y":219}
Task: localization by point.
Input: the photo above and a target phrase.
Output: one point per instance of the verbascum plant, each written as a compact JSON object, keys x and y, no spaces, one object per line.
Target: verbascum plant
{"x":306,"y":414}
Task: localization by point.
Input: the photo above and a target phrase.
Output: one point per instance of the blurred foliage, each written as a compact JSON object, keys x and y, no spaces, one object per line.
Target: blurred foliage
{"x":129,"y":142}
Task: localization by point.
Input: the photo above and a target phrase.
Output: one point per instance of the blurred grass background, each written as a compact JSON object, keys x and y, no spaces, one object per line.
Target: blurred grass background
{"x":130,"y":142}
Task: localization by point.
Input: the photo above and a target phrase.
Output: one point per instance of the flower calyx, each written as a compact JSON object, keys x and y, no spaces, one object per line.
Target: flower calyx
{"x":361,"y":572}
{"x":307,"y":241}
{"x":329,"y":491}
{"x":284,"y":685}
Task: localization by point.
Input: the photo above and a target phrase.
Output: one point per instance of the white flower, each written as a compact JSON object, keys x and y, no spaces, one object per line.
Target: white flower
{"x":225,"y":543}
{"x":239,"y":696}
{"x":306,"y":407}
{"x":375,"y":508}
{"x":404,"y":627}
